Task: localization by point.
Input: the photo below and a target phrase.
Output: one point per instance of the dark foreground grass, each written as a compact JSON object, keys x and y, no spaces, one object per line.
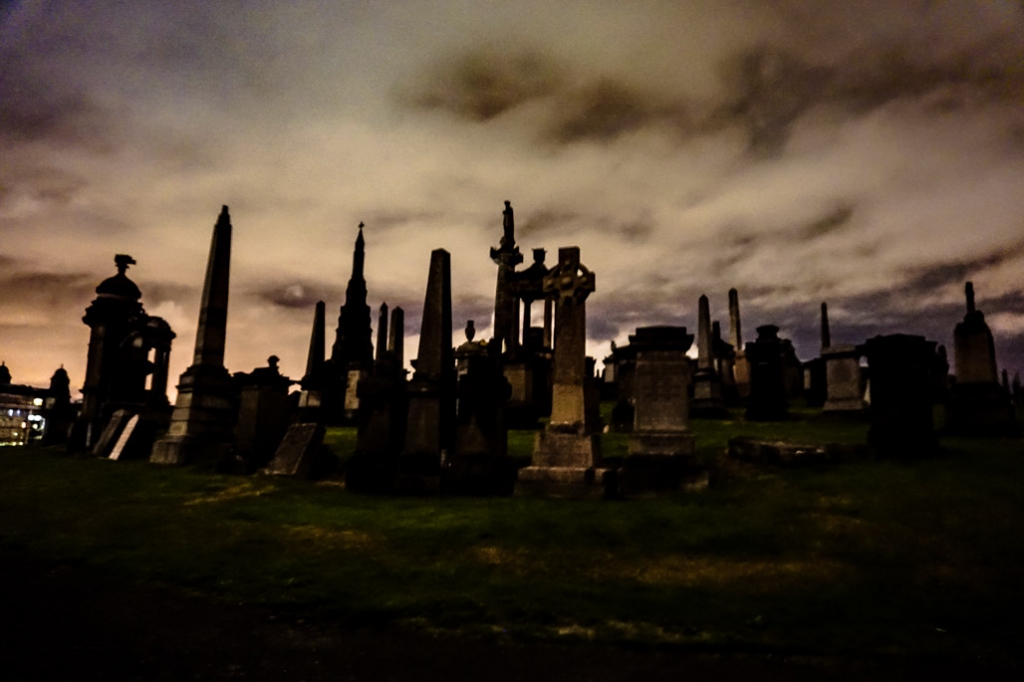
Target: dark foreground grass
{"x":916,"y":559}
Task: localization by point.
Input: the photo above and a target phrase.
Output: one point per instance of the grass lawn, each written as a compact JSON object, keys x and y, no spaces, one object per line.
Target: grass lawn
{"x":922,"y":558}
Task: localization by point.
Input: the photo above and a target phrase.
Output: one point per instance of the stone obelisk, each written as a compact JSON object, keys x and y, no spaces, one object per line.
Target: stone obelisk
{"x":740,"y":368}
{"x":707,"y":385}
{"x":204,"y":414}
{"x":314,"y":380}
{"x":431,"y":420}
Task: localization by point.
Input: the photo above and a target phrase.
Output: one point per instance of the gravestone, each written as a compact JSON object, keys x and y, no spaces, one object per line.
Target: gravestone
{"x":121,"y":446}
{"x":566,"y":458}
{"x":479,"y":461}
{"x":431,"y":414}
{"x":767,"y":400}
{"x":661,"y":445}
{"x":263,"y":415}
{"x":111,"y":432}
{"x":707,"y":385}
{"x":844,"y":386}
{"x":724,"y":355}
{"x":901,"y":407}
{"x":204,"y":413}
{"x":977,"y":406}
{"x":296,"y":454}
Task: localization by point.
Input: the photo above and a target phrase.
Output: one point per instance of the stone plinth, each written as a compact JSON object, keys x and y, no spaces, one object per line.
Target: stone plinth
{"x":901,"y":406}
{"x":843,"y":379}
{"x":203,"y":419}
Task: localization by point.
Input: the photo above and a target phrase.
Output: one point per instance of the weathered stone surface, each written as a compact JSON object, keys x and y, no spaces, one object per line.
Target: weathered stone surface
{"x":571,"y":482}
{"x":297,"y":452}
{"x":111,"y":432}
{"x":845,"y":392}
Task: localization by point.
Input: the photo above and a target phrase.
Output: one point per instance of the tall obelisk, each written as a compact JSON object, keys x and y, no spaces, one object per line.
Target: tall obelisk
{"x":204,"y":413}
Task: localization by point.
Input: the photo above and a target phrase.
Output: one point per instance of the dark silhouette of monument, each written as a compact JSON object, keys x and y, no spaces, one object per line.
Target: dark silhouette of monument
{"x":204,"y":415}
{"x":126,"y":346}
{"x":352,"y":352}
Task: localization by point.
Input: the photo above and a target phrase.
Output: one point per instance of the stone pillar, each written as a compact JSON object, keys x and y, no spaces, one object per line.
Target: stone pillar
{"x":741,"y":368}
{"x":826,"y":335}
{"x":396,"y":338}
{"x":901,"y":406}
{"x":204,"y":414}
{"x":707,"y":385}
{"x":382,"y":332}
{"x":566,"y":458}
{"x":548,"y":309}
{"x":430,"y":424}
{"x":314,"y":381}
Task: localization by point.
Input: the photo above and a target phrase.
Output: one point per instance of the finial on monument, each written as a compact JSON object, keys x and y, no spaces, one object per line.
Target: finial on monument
{"x":969,"y":290}
{"x":122,"y":261}
{"x":470,"y":330}
{"x":361,"y":225}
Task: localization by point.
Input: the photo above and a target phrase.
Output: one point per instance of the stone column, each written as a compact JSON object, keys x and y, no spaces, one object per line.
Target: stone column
{"x":826,"y":336}
{"x":431,"y":417}
{"x":566,"y":458}
{"x":741,"y":368}
{"x":707,"y":385}
{"x":382,"y":332}
{"x":396,"y":338}
{"x":548,"y":310}
{"x":507,"y":256}
{"x":204,"y":414}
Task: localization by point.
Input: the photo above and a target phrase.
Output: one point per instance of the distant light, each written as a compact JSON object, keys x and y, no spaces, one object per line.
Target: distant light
{"x":24,"y":424}
{"x":37,"y":402}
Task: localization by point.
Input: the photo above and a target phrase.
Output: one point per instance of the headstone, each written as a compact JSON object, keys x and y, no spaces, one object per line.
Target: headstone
{"x":566,"y":458}
{"x":978,"y":406}
{"x":901,"y":407}
{"x":724,"y":355}
{"x":431,"y":415}
{"x":107,"y":440}
{"x":121,"y":447}
{"x":297,"y":452}
{"x":661,"y":445}
{"x":741,"y":368}
{"x":479,"y":461}
{"x":373,"y":468}
{"x":767,"y":401}
{"x":707,"y":385}
{"x":844,"y":385}
{"x":263,"y":415}
{"x":204,"y":414}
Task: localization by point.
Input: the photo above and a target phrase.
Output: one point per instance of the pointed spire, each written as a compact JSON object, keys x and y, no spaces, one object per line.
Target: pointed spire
{"x":213,"y":312}
{"x":359,"y":255}
{"x":315,"y":358}
{"x":826,"y":335}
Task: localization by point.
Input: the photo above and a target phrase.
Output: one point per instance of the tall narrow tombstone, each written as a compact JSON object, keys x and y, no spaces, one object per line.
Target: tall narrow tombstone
{"x":741,"y":368}
{"x":313,"y":381}
{"x":767,"y":401}
{"x":566,"y":458}
{"x":977,"y":406}
{"x":661,"y":445}
{"x":826,"y":334}
{"x":901,"y":407}
{"x":429,"y":429}
{"x":382,"y":331}
{"x":707,"y":385}
{"x":725,"y":364}
{"x":204,"y":413}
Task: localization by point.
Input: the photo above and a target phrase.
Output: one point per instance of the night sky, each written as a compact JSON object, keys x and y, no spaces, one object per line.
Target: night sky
{"x":865,"y":153}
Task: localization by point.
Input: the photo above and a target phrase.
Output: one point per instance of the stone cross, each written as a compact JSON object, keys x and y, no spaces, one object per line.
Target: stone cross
{"x":570,"y":283}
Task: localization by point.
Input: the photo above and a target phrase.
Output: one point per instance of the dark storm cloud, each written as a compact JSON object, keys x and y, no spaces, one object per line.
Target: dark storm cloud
{"x":933,"y":277}
{"x":480,"y":85}
{"x":43,"y":292}
{"x":32,"y":110}
{"x":606,"y":108}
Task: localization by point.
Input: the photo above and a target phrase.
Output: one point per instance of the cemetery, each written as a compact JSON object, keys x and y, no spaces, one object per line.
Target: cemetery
{"x":862,"y":506}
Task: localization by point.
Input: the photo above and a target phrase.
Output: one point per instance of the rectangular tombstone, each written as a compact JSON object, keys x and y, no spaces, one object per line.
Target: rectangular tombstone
{"x":298,"y":449}
{"x":843,"y":379}
{"x":122,"y":442}
{"x":111,"y":432}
